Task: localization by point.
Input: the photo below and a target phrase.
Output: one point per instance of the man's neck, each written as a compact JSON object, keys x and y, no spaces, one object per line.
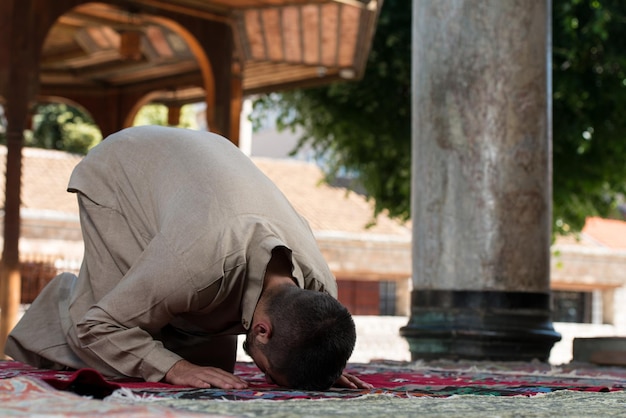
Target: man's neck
{"x":272,"y":284}
{"x":278,"y":271}
{"x":274,"y":280}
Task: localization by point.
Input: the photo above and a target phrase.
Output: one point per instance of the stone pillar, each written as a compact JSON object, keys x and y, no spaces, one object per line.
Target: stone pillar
{"x":481,"y":187}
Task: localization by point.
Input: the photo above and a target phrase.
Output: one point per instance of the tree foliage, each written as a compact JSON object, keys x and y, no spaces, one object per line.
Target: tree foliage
{"x":156,"y":114}
{"x":589,"y":104}
{"x":63,"y":127}
{"x":364,"y":126}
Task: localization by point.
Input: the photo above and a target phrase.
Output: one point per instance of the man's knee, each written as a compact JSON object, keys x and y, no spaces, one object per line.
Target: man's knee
{"x":206,"y":351}
{"x":224,"y":352}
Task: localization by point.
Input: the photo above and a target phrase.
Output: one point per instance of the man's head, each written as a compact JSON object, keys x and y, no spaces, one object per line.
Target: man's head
{"x":307,"y":341}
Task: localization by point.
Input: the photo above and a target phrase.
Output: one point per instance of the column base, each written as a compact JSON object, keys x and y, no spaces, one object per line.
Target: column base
{"x":480,"y":325}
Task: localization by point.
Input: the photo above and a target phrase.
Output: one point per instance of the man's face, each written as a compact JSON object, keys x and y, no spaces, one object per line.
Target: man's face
{"x":250,"y":346}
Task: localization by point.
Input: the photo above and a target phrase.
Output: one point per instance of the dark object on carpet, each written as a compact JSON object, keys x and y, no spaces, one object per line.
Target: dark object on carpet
{"x":85,"y":382}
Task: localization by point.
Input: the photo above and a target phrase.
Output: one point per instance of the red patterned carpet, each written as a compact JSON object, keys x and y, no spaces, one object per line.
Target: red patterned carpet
{"x":442,"y":389}
{"x":401,"y":380}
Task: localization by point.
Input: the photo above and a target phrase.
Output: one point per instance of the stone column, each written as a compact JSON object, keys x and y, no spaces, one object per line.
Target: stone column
{"x":481,"y":187}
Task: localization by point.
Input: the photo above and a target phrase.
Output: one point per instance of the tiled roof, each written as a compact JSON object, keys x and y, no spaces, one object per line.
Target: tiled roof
{"x":327,"y":208}
{"x":609,"y":233}
{"x":46,"y":174}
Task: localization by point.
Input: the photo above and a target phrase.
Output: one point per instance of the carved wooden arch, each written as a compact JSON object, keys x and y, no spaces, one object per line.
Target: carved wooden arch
{"x":130,"y":104}
{"x":204,"y":62}
{"x":132,"y":113}
{"x":146,"y":99}
{"x":64,"y":100}
{"x":41,"y":99}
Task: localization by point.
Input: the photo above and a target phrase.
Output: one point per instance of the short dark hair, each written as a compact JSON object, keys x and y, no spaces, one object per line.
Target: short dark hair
{"x":313,"y":336}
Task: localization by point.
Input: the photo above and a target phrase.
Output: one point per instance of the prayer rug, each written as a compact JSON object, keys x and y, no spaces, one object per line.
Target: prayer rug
{"x":395,"y":379}
{"x":434,"y":389}
{"x":410,"y":381}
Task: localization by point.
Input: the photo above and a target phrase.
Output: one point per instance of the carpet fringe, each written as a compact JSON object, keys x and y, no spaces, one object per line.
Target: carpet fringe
{"x":492,"y":367}
{"x":127,"y":394}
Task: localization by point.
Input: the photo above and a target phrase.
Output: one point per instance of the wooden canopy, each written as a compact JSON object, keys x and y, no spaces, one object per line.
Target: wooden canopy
{"x":189,"y":51}
{"x":112,"y":57}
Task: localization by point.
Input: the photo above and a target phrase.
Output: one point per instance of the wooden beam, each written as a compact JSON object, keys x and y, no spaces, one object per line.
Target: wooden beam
{"x":58,"y":84}
{"x":236,"y":104}
{"x":22,"y":75}
{"x":173,"y":115}
{"x":10,"y":280}
{"x":190,"y":11}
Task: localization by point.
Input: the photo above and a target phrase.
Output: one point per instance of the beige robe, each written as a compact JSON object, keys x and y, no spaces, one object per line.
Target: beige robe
{"x":178,"y":226}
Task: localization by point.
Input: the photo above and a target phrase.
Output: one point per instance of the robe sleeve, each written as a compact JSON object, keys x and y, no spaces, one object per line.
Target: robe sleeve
{"x":117,"y":329}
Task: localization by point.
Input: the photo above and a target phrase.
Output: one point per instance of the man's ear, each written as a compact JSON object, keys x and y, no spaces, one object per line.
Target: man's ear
{"x":263,"y":331}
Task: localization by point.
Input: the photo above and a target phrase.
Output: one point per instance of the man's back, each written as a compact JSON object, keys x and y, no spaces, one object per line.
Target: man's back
{"x":179,"y":227}
{"x":196,"y":195}
{"x":163,"y":176}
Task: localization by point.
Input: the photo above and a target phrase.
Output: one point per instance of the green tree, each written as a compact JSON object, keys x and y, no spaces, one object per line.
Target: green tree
{"x":151,"y":114}
{"x":62,"y":127}
{"x":156,"y":114}
{"x":364,"y":126}
{"x":589,"y":104}
{"x":66,"y":128}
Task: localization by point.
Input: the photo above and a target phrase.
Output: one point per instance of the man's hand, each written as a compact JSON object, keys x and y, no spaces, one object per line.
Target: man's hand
{"x":185,"y":373}
{"x":348,"y":381}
